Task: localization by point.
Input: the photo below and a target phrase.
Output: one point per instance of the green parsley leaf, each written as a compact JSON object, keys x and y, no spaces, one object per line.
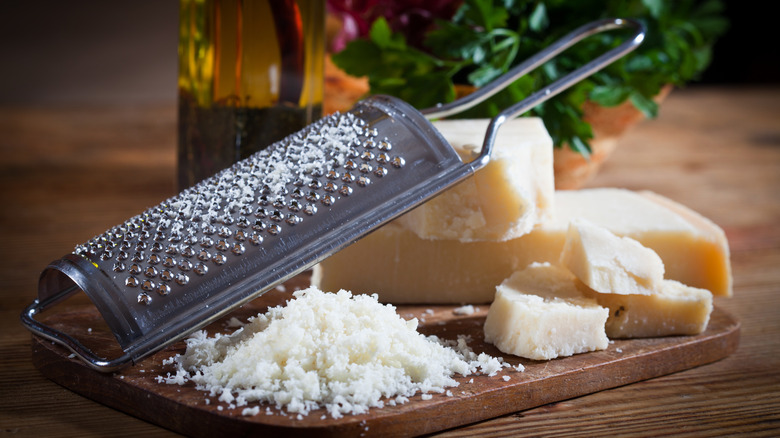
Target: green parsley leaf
{"x":486,"y":38}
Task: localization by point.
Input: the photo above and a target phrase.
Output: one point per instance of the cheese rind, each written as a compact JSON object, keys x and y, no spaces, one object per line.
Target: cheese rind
{"x":608,"y":263}
{"x":674,"y":309}
{"x":539,"y":313}
{"x":403,"y":268}
{"x":503,"y":200}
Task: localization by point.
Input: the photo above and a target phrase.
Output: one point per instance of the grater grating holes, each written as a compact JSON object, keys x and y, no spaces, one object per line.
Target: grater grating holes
{"x":276,"y":188}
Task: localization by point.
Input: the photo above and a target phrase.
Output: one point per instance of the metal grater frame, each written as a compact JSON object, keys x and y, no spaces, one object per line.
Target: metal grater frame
{"x":193,"y":258}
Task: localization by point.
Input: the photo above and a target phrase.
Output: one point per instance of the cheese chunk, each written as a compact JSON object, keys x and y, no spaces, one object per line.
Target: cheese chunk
{"x":539,"y":313}
{"x":403,"y":268}
{"x":503,"y":200}
{"x":694,"y":250}
{"x":608,"y":263}
{"x":674,"y":309}
{"x":400,"y":267}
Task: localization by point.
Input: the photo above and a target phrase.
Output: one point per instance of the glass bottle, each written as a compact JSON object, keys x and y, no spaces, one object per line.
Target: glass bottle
{"x":250,"y":73}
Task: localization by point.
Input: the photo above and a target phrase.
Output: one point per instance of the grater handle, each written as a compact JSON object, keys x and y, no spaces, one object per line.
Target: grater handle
{"x":59,"y":337}
{"x":549,"y":91}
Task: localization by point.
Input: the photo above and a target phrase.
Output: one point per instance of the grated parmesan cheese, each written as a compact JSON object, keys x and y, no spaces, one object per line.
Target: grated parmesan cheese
{"x":334,"y":350}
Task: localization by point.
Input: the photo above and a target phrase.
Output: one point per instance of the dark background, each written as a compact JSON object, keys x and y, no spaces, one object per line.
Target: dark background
{"x":104,"y":52}
{"x":748,"y":53}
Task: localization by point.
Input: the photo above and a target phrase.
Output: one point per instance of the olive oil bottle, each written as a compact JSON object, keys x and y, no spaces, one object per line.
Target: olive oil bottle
{"x":250,"y":73}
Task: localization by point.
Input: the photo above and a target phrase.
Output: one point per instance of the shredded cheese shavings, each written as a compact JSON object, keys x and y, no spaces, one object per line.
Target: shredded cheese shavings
{"x":335,"y":351}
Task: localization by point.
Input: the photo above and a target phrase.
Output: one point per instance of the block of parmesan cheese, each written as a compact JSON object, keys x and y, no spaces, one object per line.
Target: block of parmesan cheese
{"x":673,"y":309}
{"x":400,"y":267}
{"x":539,"y":313}
{"x":608,"y":263}
{"x":506,"y":198}
{"x":403,"y":268}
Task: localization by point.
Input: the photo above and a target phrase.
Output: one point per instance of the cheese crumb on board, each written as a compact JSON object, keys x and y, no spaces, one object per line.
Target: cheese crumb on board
{"x":234,"y":323}
{"x":503,"y":200}
{"x":539,"y":313}
{"x":608,"y":263}
{"x":334,"y":350}
{"x":468,"y":309}
{"x":248,"y":412}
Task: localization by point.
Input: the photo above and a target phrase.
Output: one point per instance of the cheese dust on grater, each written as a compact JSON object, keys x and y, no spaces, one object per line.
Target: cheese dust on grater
{"x":308,"y":152}
{"x":342,"y":352}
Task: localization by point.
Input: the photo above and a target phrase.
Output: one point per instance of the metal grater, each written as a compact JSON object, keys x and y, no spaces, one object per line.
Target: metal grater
{"x":193,"y":258}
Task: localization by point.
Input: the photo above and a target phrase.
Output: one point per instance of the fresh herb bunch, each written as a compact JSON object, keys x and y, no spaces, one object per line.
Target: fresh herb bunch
{"x":485,"y":38}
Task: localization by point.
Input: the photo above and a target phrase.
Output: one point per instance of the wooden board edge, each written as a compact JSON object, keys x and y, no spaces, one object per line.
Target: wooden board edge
{"x":426,"y":417}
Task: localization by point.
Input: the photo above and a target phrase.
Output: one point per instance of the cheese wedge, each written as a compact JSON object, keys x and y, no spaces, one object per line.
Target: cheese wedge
{"x":674,"y":309}
{"x":608,"y":263}
{"x":539,"y":313}
{"x":403,"y":268}
{"x":503,"y":200}
{"x":694,"y":250}
{"x":621,"y":274}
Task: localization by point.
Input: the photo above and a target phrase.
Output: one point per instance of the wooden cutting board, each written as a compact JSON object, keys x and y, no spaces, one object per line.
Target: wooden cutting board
{"x":186,"y":410}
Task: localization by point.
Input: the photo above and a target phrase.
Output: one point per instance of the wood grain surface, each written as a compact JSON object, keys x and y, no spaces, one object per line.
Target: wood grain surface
{"x":68,"y":173}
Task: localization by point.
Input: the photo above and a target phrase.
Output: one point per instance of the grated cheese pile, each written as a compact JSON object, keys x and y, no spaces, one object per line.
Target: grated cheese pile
{"x":334,"y":350}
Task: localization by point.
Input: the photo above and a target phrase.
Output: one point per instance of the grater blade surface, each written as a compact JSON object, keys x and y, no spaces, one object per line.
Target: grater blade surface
{"x":189,"y":260}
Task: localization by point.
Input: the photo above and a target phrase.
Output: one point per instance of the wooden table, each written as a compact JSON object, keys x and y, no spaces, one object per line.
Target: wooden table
{"x":68,"y":173}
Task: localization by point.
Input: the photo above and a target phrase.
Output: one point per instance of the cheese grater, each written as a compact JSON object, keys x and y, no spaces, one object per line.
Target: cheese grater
{"x":190,"y":260}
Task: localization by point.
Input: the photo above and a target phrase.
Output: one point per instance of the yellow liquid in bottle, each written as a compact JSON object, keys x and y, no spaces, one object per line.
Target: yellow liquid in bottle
{"x":250,"y":73}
